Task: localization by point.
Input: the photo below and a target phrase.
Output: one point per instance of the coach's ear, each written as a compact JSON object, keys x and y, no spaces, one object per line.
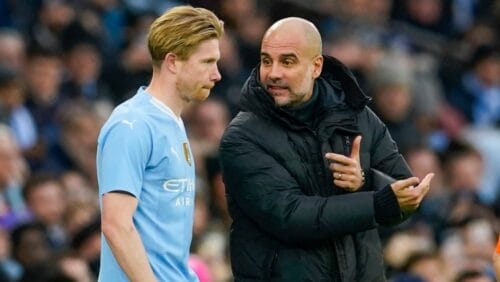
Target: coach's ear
{"x":317,"y":66}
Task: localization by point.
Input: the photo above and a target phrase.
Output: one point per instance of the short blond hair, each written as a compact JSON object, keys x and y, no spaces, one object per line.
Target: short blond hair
{"x":180,"y":30}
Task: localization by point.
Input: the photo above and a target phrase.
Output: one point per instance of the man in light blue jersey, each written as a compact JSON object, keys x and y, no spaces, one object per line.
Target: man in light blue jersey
{"x":144,"y":163}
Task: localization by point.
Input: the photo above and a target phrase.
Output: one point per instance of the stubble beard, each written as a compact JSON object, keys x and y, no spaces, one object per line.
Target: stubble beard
{"x":191,"y":94}
{"x":292,"y":100}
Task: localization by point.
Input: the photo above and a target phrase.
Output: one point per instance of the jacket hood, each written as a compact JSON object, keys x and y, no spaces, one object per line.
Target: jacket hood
{"x":334,"y":75}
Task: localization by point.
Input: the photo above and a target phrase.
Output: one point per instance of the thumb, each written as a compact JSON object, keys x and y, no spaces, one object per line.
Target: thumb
{"x":356,"y":145}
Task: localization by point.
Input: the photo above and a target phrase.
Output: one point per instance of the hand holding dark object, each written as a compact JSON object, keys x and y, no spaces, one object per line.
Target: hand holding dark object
{"x":347,"y":172}
{"x":410,"y":192}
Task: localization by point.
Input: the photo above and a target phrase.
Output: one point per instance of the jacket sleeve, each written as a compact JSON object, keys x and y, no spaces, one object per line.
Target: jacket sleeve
{"x":384,"y":154}
{"x":264,"y":191}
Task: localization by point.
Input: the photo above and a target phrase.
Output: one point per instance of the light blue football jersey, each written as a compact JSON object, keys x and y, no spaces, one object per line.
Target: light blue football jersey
{"x":143,"y":150}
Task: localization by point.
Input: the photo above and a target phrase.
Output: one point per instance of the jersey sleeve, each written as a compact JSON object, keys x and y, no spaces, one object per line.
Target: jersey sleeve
{"x":123,"y":153}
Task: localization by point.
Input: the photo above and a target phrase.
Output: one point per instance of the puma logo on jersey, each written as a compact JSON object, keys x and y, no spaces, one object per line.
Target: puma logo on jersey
{"x":131,"y":124}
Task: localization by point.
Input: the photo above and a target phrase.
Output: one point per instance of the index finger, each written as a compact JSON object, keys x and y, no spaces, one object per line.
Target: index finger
{"x":405,"y":183}
{"x":427,"y":180}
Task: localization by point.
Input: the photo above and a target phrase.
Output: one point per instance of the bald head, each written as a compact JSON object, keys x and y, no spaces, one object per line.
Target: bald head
{"x":290,"y":60}
{"x":297,"y":29}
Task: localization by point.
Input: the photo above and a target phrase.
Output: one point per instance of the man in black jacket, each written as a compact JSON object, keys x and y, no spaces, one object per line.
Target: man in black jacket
{"x":293,"y":163}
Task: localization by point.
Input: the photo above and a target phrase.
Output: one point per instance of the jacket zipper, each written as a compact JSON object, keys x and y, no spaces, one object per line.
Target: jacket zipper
{"x":347,"y":145}
{"x":335,"y":275}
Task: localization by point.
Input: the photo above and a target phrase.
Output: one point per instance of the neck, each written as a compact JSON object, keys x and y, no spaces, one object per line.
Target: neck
{"x":163,"y":88}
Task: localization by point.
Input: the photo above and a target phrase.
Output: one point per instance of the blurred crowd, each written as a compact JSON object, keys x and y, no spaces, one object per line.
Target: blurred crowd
{"x":432,"y":68}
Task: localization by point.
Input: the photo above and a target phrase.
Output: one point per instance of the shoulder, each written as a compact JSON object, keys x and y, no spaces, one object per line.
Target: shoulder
{"x":126,"y":122}
{"x":246,"y":125}
{"x":371,"y":126}
{"x":366,"y":115}
{"x":250,"y":133}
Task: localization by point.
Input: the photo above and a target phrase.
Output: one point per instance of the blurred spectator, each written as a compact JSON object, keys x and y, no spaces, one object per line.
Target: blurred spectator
{"x":83,"y":64}
{"x":456,"y":56}
{"x":429,"y":15}
{"x":87,"y":244}
{"x":487,"y":142}
{"x":428,"y":95}
{"x":392,"y":100}
{"x":105,"y":19}
{"x":479,"y":240}
{"x":210,"y":118}
{"x":30,"y":244}
{"x":202,"y":215}
{"x":46,"y":271}
{"x":463,"y":170}
{"x":211,"y":224}
{"x":43,"y":75}
{"x":10,"y":270}
{"x":463,"y":166}
{"x":78,"y":189}
{"x":371,"y":12}
{"x":481,"y":33}
{"x":235,"y":12}
{"x":45,"y":198}
{"x":13,"y":174}
{"x":466,"y":13}
{"x":131,"y":70}
{"x":12,"y":50}
{"x":428,"y":266}
{"x":79,"y":215}
{"x":423,"y":160}
{"x":466,"y":245}
{"x":213,"y":249}
{"x":474,"y":276}
{"x":12,"y":109}
{"x":231,"y":69}
{"x":53,"y":17}
{"x":401,"y":246}
{"x":248,"y":33}
{"x":206,"y":122}
{"x":478,"y":94}
{"x":78,"y":140}
{"x":75,"y":268}
{"x":218,"y":203}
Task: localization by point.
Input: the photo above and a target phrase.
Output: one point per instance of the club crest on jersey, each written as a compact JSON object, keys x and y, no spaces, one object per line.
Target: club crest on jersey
{"x":187,"y":154}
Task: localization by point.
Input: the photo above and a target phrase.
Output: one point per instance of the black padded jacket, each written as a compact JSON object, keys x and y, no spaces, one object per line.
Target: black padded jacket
{"x":290,"y":222}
